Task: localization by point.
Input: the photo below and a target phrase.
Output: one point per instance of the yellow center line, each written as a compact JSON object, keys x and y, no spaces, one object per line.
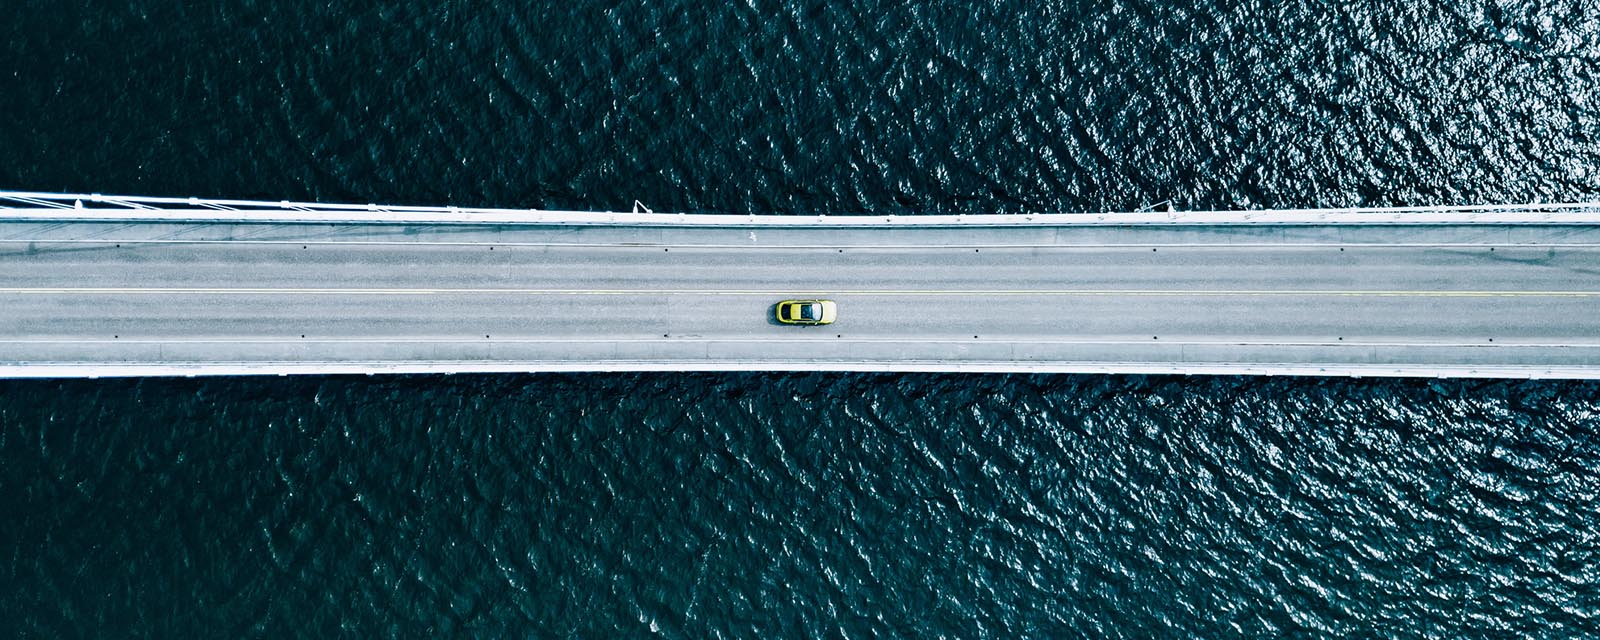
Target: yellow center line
{"x":794,"y":293}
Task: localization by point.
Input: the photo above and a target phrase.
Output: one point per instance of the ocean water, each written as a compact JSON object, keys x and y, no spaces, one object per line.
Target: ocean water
{"x":825,"y":505}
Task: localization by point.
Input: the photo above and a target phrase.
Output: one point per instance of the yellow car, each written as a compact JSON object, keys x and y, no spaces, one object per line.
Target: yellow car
{"x":807,"y":311}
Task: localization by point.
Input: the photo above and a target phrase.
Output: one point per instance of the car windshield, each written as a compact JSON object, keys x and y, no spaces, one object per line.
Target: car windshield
{"x":808,"y":312}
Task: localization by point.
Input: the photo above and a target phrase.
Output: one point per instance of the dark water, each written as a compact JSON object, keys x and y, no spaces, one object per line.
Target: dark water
{"x":754,"y":506}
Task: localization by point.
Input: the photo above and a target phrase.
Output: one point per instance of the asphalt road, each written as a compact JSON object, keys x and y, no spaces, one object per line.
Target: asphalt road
{"x":165,"y":303}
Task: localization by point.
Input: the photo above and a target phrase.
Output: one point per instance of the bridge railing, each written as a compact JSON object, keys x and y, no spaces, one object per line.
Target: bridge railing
{"x":26,"y":206}
{"x":44,"y":200}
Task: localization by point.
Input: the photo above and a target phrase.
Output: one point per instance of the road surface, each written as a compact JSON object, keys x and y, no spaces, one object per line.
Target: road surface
{"x":537,"y":299}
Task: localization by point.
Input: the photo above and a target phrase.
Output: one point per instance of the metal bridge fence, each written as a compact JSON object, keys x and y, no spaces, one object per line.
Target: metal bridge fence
{"x":15,"y":205}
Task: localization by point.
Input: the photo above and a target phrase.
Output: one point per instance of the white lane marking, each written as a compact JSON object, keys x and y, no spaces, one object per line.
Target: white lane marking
{"x":1348,"y":342}
{"x":796,"y":293}
{"x":832,"y":247}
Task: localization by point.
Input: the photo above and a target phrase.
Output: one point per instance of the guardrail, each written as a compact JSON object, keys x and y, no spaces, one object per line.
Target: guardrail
{"x":26,"y":205}
{"x":190,"y":370}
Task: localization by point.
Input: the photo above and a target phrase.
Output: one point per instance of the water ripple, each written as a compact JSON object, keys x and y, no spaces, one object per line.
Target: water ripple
{"x":796,"y":505}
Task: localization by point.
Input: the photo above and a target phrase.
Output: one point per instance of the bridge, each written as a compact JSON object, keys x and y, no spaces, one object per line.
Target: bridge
{"x":95,"y":286}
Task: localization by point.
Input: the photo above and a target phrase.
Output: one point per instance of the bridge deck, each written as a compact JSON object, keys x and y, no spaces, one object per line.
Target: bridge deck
{"x":107,"y":298}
